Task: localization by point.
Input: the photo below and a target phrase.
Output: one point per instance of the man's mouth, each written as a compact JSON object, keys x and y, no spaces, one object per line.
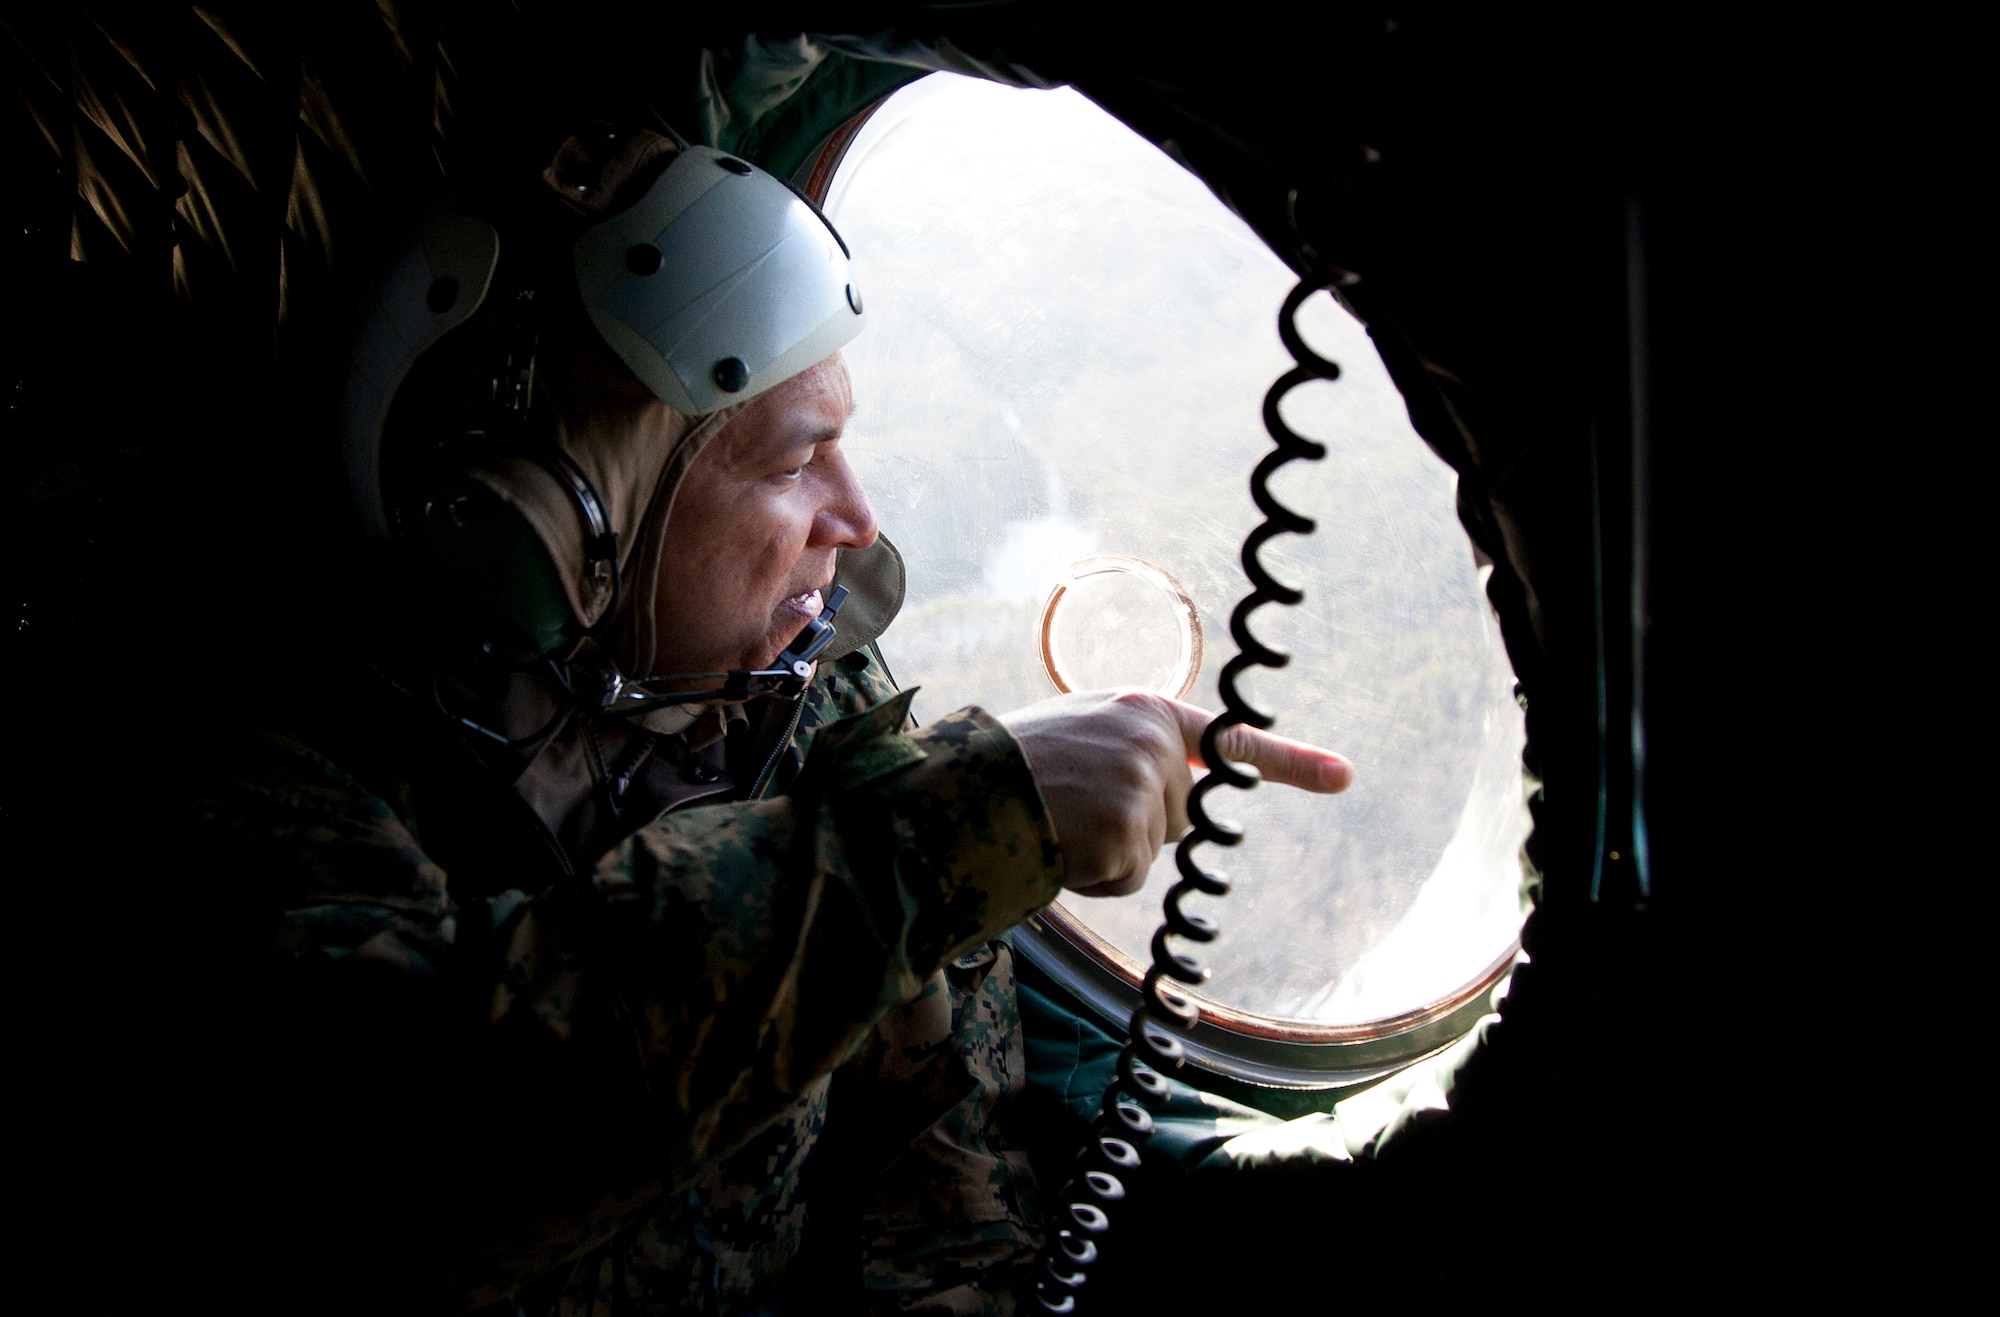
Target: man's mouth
{"x":808,"y":604}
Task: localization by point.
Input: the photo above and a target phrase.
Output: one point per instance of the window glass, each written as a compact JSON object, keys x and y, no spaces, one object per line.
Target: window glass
{"x":1069,"y":343}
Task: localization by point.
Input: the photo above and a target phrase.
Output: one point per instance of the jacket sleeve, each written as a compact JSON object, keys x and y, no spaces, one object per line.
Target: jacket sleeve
{"x":752,"y":946}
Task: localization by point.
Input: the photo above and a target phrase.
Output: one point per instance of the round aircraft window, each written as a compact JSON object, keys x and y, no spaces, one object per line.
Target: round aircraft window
{"x":1059,"y":400}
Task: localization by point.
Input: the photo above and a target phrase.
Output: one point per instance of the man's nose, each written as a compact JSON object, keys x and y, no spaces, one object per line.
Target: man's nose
{"x":845,"y":520}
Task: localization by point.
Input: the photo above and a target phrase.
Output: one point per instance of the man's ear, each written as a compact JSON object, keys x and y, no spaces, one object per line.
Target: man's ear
{"x":605,"y":168}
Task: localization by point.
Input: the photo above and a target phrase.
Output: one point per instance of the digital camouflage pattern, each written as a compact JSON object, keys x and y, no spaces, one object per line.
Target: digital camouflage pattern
{"x":951,"y":1225}
{"x":730,"y":958}
{"x":948,"y":1224}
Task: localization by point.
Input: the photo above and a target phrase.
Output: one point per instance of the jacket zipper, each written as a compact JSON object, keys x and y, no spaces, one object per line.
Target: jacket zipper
{"x":771,"y":762}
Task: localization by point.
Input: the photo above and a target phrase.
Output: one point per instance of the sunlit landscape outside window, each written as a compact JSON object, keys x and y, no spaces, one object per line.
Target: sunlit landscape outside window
{"x":1069,"y":344}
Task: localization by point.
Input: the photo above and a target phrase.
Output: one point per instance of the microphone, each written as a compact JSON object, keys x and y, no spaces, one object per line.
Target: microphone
{"x":819,"y":633}
{"x":787,"y":676}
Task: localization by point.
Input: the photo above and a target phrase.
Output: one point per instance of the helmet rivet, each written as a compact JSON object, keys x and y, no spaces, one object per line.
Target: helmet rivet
{"x":643,"y":259}
{"x":731,"y":374}
{"x":732,"y":164}
{"x":442,"y":296}
{"x":854,"y":298}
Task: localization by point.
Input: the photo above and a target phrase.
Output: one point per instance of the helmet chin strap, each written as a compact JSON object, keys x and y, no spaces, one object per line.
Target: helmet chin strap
{"x":787,"y":676}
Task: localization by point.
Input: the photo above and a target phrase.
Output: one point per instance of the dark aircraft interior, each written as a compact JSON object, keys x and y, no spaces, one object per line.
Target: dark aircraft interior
{"x":1558,"y":231}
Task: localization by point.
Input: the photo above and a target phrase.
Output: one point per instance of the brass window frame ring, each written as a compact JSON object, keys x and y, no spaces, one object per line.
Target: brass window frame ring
{"x":1186,"y":669}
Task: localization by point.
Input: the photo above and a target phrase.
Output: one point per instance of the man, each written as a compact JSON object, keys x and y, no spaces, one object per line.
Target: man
{"x":599,"y":944}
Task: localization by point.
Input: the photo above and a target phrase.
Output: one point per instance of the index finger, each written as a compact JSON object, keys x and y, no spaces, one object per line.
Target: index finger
{"x":1278,"y":758}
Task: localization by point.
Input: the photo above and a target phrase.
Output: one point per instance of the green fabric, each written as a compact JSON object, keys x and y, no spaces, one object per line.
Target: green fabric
{"x":1072,"y":1059}
{"x":775,"y":102}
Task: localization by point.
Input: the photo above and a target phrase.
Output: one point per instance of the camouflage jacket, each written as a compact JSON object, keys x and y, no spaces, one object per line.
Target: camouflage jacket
{"x":659,"y":1032}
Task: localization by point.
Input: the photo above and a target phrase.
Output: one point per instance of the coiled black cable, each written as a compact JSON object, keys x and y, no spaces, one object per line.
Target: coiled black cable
{"x":1154,"y":1051}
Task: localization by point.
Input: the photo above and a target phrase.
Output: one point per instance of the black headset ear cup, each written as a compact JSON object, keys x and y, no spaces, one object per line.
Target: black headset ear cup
{"x":486,"y":570}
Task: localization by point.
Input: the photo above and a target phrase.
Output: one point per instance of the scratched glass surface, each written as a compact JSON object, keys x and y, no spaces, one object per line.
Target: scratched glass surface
{"x":1069,"y":343}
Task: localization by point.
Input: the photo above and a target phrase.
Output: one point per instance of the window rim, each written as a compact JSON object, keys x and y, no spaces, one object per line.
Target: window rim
{"x":1260,"y":1050}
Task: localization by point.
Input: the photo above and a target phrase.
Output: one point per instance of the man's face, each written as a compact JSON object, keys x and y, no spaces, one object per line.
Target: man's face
{"x":756,"y":525}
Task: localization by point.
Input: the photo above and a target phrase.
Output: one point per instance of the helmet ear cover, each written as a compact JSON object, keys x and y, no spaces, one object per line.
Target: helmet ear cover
{"x":484,"y":568}
{"x":463,"y":434}
{"x":437,"y":281}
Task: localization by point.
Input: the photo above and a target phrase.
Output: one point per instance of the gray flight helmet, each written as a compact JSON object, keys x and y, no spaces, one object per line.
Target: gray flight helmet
{"x":720,"y":283}
{"x":717,"y":285}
